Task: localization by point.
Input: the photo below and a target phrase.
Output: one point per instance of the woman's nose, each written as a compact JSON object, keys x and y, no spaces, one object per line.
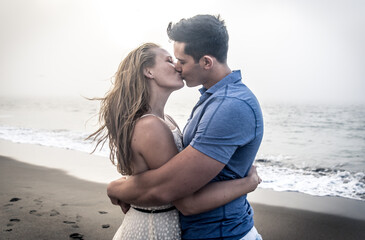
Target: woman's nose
{"x":178,"y":67}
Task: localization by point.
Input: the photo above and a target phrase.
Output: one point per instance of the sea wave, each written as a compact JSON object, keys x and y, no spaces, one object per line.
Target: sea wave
{"x":313,"y":181}
{"x":59,"y":138}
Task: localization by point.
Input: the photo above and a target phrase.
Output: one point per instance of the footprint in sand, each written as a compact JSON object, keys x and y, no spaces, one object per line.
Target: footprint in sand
{"x":77,"y":236}
{"x":38,"y":201}
{"x":74,"y":225}
{"x":15,"y":199}
{"x":34,"y":212}
{"x":12,"y":221}
{"x":54,"y":213}
{"x":69,"y":222}
{"x":105,"y":226}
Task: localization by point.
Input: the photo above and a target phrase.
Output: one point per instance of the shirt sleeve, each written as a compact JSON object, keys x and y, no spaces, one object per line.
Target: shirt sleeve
{"x":226,"y":124}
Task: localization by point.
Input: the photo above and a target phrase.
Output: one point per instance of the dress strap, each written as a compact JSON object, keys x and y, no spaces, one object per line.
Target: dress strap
{"x":172,"y":121}
{"x":151,"y":114}
{"x":148,"y":114}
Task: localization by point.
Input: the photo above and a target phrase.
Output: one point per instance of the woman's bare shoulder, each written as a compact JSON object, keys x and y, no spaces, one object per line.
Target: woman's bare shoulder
{"x":150,"y":128}
{"x":150,"y":124}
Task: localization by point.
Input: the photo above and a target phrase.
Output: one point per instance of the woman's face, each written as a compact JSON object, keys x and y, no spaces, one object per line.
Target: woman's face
{"x":164,"y":72}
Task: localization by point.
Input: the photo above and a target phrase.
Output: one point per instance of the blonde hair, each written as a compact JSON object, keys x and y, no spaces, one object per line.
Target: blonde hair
{"x":127,"y":101}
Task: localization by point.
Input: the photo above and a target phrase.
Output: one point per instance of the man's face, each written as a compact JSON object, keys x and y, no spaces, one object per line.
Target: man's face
{"x":190,"y":71}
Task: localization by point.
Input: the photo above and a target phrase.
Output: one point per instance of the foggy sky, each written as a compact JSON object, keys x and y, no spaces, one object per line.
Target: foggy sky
{"x":288,"y":51}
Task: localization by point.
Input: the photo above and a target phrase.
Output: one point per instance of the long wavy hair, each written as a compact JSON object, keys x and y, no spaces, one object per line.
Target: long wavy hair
{"x":126,"y":101}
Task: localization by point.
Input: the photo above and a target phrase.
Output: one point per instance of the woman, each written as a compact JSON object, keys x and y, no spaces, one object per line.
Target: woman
{"x":142,"y":137}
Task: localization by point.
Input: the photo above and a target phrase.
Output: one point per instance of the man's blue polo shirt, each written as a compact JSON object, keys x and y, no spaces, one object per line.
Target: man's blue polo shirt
{"x":226,"y":124}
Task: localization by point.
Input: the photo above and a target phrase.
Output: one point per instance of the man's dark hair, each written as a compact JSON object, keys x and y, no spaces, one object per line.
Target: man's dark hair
{"x":202,"y":35}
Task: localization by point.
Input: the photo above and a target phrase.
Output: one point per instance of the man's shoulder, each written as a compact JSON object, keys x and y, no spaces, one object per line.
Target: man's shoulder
{"x":235,"y":94}
{"x":235,"y":98}
{"x":236,"y":89}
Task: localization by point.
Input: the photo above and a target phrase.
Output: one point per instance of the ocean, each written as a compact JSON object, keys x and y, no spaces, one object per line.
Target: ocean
{"x":313,"y":149}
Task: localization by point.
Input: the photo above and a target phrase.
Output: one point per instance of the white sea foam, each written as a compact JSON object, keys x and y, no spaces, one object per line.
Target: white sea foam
{"x":51,"y":138}
{"x":339,"y":183}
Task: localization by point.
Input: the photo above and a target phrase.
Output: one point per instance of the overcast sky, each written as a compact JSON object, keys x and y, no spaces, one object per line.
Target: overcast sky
{"x":288,"y":50}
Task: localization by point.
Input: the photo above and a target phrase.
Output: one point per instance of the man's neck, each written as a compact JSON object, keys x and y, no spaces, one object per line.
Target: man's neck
{"x":221,"y":71}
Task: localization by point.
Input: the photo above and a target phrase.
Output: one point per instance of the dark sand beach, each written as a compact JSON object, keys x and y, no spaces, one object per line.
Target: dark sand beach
{"x":44,"y":203}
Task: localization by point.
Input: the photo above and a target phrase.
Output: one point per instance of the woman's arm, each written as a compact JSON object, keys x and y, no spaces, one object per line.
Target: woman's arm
{"x":217,"y":194}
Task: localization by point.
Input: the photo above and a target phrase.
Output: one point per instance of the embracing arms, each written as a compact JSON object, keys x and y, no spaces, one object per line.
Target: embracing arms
{"x":177,"y":180}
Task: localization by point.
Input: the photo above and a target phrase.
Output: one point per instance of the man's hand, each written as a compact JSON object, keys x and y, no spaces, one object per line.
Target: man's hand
{"x":124,"y":206}
{"x":253,"y":178}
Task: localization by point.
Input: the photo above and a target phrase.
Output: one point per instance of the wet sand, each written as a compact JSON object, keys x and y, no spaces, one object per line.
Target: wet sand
{"x":44,"y":203}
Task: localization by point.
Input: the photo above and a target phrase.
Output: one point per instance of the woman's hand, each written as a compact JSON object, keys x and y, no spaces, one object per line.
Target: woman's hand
{"x":115,"y":201}
{"x":253,"y":178}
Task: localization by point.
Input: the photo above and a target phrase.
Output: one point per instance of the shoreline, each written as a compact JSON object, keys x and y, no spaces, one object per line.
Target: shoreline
{"x":82,"y":165}
{"x":337,"y":206}
{"x":55,"y":203}
{"x":100,"y":170}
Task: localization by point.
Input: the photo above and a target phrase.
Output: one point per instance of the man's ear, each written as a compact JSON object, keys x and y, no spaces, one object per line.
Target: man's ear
{"x":206,"y":62}
{"x":147,"y":73}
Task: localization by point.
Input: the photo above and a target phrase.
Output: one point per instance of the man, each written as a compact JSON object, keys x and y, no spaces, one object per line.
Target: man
{"x":221,"y":138}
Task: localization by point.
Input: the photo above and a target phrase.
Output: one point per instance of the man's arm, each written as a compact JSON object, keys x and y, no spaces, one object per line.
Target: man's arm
{"x":183,"y":175}
{"x":218,"y":194}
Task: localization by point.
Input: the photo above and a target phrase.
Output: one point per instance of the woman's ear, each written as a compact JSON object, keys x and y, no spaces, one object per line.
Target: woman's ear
{"x":206,"y":62}
{"x":147,"y":73}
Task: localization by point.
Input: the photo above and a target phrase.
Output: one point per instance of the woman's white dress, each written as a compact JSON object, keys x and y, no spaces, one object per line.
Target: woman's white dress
{"x":139,"y":225}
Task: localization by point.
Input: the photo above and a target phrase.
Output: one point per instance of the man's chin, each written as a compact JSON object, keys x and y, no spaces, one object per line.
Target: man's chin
{"x":191,"y":84}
